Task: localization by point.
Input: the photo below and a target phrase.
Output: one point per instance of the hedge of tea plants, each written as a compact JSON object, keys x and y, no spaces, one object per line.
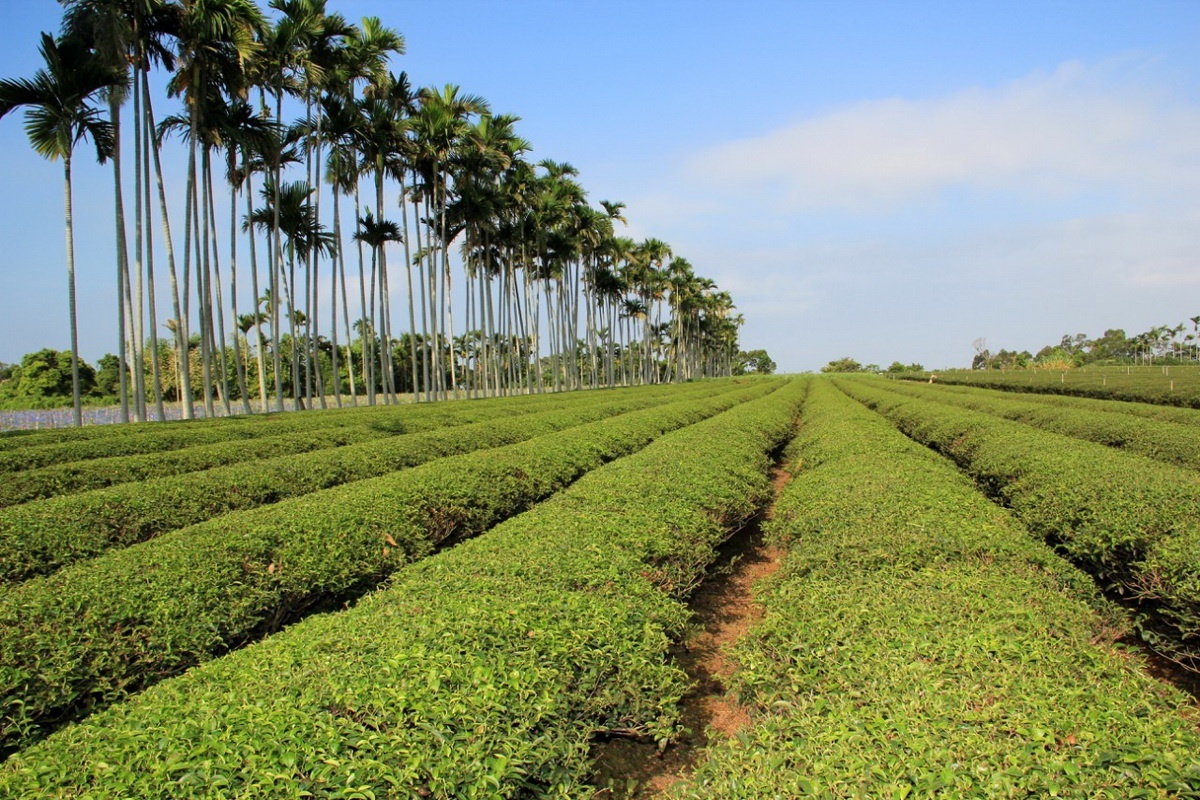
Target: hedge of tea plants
{"x":71,"y":445}
{"x":1172,"y":385}
{"x":918,"y":642}
{"x":1182,"y":416}
{"x":39,"y":537}
{"x":92,"y":632}
{"x":25,"y":450}
{"x":1131,"y":521}
{"x":1165,"y":441}
{"x":77,"y":476}
{"x":482,"y":671}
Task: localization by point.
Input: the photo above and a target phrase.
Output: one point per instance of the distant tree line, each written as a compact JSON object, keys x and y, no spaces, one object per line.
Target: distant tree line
{"x":847,"y":364}
{"x":754,"y":362}
{"x":1162,"y":343}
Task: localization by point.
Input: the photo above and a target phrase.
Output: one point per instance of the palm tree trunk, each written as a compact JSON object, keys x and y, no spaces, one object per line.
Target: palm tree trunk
{"x":141,"y":165}
{"x":155,"y":360}
{"x":431,"y":290}
{"x":339,"y":266}
{"x":122,"y":263}
{"x":370,"y":321}
{"x":349,"y":338}
{"x":181,"y":347}
{"x":262,"y":344}
{"x":308,"y":327}
{"x":233,"y":237}
{"x":203,"y":293}
{"x":412,"y":316}
{"x":276,"y":264}
{"x":385,"y":308}
{"x":191,"y":250}
{"x":76,"y":396}
{"x":368,"y":355}
{"x":312,"y":373}
{"x":290,"y":288}
{"x":135,"y":321}
{"x":447,"y":291}
{"x":426,"y":355}
{"x":214,"y":281}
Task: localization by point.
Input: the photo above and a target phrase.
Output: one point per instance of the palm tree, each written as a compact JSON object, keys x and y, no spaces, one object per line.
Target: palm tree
{"x":440,"y":125}
{"x":129,"y":34}
{"x":342,"y":124}
{"x":216,"y":40}
{"x":244,"y":133}
{"x":316,"y":37}
{"x":682,"y":282}
{"x":382,"y":141}
{"x":488,"y":150}
{"x":289,"y":212}
{"x":376,"y":234}
{"x":363,"y":56}
{"x":58,"y":117}
{"x":646,"y":280}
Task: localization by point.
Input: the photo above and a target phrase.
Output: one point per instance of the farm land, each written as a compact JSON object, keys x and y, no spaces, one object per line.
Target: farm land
{"x":541,"y":520}
{"x":969,"y":593}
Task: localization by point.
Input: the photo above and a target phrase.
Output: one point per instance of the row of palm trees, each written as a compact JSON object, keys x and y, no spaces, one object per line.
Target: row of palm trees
{"x":545,"y":290}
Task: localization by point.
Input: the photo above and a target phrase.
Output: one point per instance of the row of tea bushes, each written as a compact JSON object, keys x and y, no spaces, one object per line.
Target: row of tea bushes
{"x":1171,"y":385}
{"x":201,"y":428}
{"x":1131,"y":521}
{"x":39,"y":537}
{"x":1164,"y":441}
{"x":20,"y":453}
{"x":83,"y":637}
{"x":483,"y":671}
{"x":917,"y":642}
{"x":1181,"y":416}
{"x":77,"y":476}
{"x":44,"y":448}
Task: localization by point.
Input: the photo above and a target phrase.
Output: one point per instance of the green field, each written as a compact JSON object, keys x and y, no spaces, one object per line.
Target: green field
{"x":466,"y":599}
{"x":1177,"y":385}
{"x":365,"y":438}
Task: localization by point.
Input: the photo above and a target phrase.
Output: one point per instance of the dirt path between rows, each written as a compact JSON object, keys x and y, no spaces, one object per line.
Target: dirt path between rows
{"x":724,"y":610}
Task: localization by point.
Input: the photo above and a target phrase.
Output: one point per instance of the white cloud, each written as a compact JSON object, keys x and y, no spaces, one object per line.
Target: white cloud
{"x":1079,"y":128}
{"x":1020,"y":287}
{"x":903,"y":229}
{"x":1168,"y":272}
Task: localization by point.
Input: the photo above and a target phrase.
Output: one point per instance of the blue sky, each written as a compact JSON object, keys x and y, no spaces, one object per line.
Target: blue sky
{"x":888,"y":181}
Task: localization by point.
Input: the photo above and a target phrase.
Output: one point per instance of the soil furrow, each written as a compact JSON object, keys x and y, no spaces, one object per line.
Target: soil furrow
{"x":724,"y":609}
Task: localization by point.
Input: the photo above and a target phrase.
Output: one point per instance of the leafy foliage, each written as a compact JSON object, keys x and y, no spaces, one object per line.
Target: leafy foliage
{"x":1172,"y":442}
{"x":69,"y":643}
{"x":1131,"y":521}
{"x":483,"y":671}
{"x":919,"y":643}
{"x":1167,"y":385}
{"x":40,"y":536}
{"x":756,"y":362}
{"x":1161,"y":343}
{"x":43,"y":380}
{"x":845,"y":364}
{"x":30,"y":449}
{"x":240,"y":444}
{"x":896,"y":368}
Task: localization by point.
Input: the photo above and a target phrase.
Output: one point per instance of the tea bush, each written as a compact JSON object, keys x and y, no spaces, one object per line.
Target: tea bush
{"x":918,"y":642}
{"x":1131,"y":521}
{"x":483,"y":671}
{"x":39,"y":537}
{"x":92,"y":632}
